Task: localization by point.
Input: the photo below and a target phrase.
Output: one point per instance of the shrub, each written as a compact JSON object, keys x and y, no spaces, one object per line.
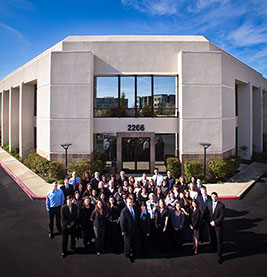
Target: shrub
{"x":80,"y":167}
{"x":37,"y":163}
{"x":222,"y":169}
{"x":193,"y":168}
{"x":98,"y":166}
{"x":60,"y":181}
{"x":219,"y":168}
{"x":56,"y":170}
{"x":16,"y":155}
{"x":50,"y":180}
{"x":6,"y":147}
{"x":14,"y":151}
{"x":173,"y":164}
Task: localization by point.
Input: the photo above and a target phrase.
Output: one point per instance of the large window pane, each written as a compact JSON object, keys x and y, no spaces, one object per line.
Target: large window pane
{"x":144,"y":97}
{"x":127,"y":97}
{"x":106,"y":101}
{"x":164,"y":146}
{"x":106,"y":143}
{"x":164,"y":96}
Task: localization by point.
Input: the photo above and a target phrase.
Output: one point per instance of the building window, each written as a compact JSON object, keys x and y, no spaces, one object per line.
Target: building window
{"x":135,"y":96}
{"x":164,"y":96}
{"x":107,"y":144}
{"x":106,"y":97}
{"x":127,"y":97}
{"x":164,"y":146}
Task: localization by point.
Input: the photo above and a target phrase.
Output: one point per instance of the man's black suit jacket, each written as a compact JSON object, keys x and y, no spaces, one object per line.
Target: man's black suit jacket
{"x":120,"y":181}
{"x":127,"y":223}
{"x":202,"y":206}
{"x":68,"y":191}
{"x":218,"y":215}
{"x":68,"y":217}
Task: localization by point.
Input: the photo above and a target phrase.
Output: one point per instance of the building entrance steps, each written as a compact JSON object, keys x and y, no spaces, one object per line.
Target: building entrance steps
{"x":36,"y":188}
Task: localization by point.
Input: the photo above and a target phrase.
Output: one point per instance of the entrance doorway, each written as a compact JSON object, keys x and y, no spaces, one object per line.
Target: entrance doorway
{"x":136,"y":154}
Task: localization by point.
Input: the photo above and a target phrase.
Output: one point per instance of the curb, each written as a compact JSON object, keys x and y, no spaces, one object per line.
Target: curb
{"x":29,"y":193}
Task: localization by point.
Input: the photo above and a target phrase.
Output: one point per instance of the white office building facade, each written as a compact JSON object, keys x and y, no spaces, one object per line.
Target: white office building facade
{"x":138,"y":99}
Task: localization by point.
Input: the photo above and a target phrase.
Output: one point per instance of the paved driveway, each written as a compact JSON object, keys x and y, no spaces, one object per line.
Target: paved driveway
{"x":25,"y":249}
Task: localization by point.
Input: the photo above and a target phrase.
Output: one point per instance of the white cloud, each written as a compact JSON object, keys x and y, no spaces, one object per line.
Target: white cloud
{"x":17,"y":34}
{"x":155,"y":7}
{"x":248,"y":34}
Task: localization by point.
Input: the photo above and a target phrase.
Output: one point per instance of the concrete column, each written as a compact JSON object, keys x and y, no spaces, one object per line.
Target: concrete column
{"x":257,"y":120}
{"x":245,"y":121}
{"x":26,"y":119}
{"x":4,"y":118}
{"x":13,"y":118}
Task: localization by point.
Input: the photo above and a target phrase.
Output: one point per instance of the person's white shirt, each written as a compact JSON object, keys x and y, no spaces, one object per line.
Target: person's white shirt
{"x":159,"y":179}
{"x":193,"y":194}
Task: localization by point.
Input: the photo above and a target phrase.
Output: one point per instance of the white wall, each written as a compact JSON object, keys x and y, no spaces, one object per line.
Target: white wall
{"x":71,"y":102}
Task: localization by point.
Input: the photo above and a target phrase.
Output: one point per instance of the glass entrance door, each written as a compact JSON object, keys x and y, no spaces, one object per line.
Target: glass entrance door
{"x":136,"y":154}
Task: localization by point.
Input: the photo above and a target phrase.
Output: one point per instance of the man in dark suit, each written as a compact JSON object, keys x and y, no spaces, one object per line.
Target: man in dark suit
{"x":122,"y":178}
{"x":170,"y":180}
{"x":128,"y":223}
{"x":69,"y":213}
{"x":216,"y":216}
{"x":203,"y":199}
{"x":67,"y":188}
{"x":94,"y":181}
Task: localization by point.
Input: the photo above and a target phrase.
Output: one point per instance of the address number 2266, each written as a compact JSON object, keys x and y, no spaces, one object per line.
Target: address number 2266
{"x":136,"y":127}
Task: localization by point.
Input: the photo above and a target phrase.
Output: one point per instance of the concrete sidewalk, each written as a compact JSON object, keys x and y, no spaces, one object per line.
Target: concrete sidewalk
{"x":32,"y":184}
{"x":36,"y":188}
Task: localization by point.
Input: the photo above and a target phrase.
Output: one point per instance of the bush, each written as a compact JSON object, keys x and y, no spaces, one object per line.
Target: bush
{"x":50,"y":180}
{"x":37,"y":163}
{"x":173,"y":164}
{"x":60,"y":181}
{"x":98,"y":166}
{"x":14,"y":151}
{"x":222,"y":169}
{"x":56,"y":170}
{"x":100,"y":156}
{"x":219,"y":169}
{"x":80,"y":167}
{"x":193,"y":168}
{"x":6,"y":147}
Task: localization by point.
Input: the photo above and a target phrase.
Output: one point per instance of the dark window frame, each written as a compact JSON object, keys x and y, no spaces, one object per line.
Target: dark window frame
{"x":135,"y":91}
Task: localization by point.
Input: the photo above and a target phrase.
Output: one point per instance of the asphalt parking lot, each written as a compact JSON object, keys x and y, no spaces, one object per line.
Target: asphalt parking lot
{"x":27,"y":251}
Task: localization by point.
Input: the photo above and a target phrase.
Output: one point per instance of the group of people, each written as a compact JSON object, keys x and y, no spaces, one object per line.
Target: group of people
{"x":144,"y":211}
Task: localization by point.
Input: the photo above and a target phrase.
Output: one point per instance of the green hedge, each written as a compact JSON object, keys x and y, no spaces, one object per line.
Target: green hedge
{"x":222,"y":169}
{"x":6,"y":147}
{"x":193,"y":168}
{"x":173,"y":164}
{"x":37,"y":163}
{"x":80,"y":167}
{"x":97,"y":166}
{"x":56,"y":170}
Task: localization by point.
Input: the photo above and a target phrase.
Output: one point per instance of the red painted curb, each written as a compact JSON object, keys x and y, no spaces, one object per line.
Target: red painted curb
{"x":29,"y":193}
{"x":228,"y":197}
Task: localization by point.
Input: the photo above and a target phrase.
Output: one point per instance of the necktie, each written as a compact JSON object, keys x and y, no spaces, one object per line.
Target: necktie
{"x":214,"y":206}
{"x":132,"y":212}
{"x":156,"y":181}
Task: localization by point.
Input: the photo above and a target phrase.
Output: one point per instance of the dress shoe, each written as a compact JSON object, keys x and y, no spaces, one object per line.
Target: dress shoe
{"x":98,"y":253}
{"x":63,"y":255}
{"x":131,"y":260}
{"x":73,"y":248}
{"x":50,"y":236}
{"x":220,"y":261}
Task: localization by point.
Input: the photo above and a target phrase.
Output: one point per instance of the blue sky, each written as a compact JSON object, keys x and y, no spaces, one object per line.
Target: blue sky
{"x":27,"y":28}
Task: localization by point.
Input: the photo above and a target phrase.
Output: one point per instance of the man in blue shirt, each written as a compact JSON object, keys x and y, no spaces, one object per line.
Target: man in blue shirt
{"x":54,"y":201}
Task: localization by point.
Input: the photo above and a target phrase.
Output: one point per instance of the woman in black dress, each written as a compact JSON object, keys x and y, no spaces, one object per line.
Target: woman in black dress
{"x":161,"y":223}
{"x":195,"y":223}
{"x":142,"y":195}
{"x":85,"y":222}
{"x":113,"y":224}
{"x":99,"y":225}
{"x":185,"y":202}
{"x":144,"y":229}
